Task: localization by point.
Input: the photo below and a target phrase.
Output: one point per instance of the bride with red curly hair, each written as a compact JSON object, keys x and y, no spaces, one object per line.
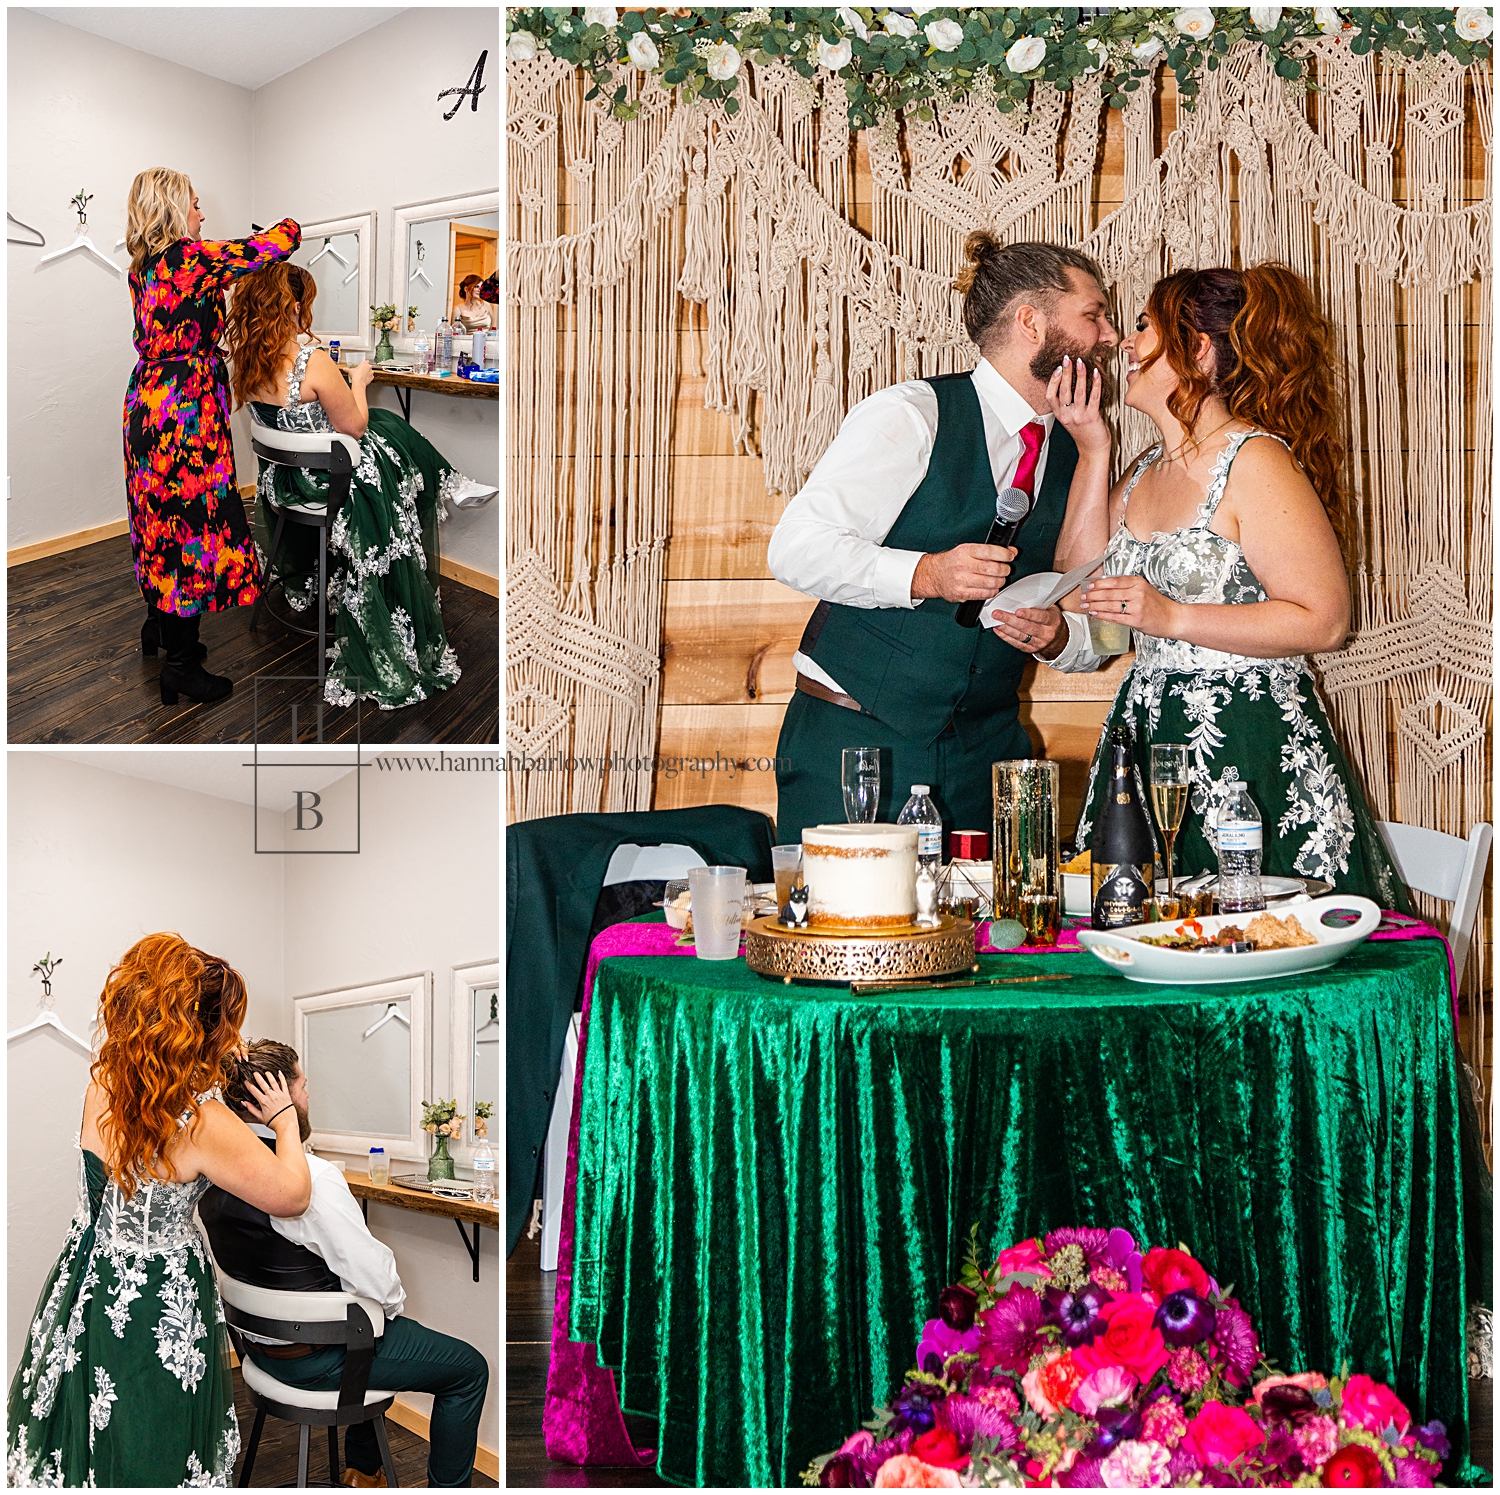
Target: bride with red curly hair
{"x":1224,"y":555}
{"x":125,"y":1376}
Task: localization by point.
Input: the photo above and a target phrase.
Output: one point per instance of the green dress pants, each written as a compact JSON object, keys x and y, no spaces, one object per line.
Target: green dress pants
{"x":409,"y":1357}
{"x":809,"y":772}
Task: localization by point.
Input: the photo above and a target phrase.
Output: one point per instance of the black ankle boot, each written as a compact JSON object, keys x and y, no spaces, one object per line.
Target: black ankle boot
{"x":182,"y":673}
{"x":152,"y":638}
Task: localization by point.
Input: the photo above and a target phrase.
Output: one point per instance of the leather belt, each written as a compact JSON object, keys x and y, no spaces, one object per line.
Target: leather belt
{"x":823,"y":693}
{"x":284,"y":1351}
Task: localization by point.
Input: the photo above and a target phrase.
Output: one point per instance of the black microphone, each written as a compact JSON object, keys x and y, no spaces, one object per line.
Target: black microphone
{"x":1012,"y":505}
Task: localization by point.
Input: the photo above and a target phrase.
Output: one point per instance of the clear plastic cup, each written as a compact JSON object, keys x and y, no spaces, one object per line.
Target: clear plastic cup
{"x":786,"y":864}
{"x":717,"y":895}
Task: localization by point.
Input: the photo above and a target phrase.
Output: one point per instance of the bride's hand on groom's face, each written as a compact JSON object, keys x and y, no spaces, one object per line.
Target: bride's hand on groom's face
{"x":1075,"y":394}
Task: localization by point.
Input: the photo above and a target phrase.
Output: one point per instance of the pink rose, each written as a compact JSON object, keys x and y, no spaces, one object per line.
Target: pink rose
{"x":1130,"y":1340}
{"x":861,"y":1442}
{"x":1025,"y":1256}
{"x":906,"y":1473}
{"x":1109,"y":1387}
{"x":1308,"y":1380}
{"x":1168,"y":1271}
{"x":1220,"y":1434}
{"x":1371,"y":1406}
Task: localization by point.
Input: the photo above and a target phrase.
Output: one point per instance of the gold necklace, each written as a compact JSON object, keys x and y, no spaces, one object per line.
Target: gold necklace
{"x":1161,"y":462}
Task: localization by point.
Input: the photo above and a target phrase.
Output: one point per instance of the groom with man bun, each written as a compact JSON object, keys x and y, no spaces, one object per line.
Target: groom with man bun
{"x":888,"y":534}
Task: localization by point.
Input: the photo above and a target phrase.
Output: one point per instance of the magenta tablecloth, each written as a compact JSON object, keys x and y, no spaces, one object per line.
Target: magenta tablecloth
{"x":581,"y":1421}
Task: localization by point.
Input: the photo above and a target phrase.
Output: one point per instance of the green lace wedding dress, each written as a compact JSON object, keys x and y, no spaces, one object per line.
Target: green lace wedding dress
{"x":389,"y":644}
{"x":1258,"y":720}
{"x":124,"y":1379}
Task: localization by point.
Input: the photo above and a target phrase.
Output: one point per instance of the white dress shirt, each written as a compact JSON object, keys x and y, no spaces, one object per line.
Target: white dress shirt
{"x":829,"y":542}
{"x":332,"y":1227}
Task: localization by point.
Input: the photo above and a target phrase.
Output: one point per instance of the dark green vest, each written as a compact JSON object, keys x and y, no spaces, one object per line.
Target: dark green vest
{"x":917,"y":669}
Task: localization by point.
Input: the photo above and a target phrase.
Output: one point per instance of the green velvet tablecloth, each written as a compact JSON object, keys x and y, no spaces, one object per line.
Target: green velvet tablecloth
{"x":774,"y":1182}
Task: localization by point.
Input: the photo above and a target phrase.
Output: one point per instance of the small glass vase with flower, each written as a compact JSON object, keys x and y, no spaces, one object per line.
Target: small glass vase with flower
{"x":440,"y":1118}
{"x":384,"y":319}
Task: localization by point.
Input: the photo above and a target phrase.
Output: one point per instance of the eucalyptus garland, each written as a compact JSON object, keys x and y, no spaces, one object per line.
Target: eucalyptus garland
{"x":930,"y":55}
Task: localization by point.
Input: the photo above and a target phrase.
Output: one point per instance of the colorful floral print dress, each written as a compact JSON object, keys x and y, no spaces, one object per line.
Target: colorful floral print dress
{"x":124,"y":1379}
{"x":1257,"y":720}
{"x":188,"y":533}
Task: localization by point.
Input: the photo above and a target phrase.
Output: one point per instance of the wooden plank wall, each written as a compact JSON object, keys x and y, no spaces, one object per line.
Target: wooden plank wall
{"x":730,"y":629}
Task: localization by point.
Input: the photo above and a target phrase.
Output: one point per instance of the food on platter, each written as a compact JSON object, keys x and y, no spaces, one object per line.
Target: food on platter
{"x":1266,"y":932}
{"x":1083,"y":862}
{"x":860,"y":876}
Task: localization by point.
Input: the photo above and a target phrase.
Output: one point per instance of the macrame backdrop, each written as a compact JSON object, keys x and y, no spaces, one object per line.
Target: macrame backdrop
{"x":1359,"y":186}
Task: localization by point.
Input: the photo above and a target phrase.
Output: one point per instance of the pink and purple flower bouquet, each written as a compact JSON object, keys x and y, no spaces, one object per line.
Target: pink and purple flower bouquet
{"x":1078,"y":1360}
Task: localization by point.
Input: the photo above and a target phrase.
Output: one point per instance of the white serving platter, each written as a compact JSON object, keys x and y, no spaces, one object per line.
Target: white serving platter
{"x":1122,"y":951}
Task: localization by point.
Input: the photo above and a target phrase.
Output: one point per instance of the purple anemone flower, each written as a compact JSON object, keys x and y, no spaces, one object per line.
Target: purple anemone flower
{"x":1433,"y":1436}
{"x":1077,"y":1314}
{"x":913,"y":1409}
{"x":1094,"y":1243}
{"x":1120,"y":1253}
{"x":1116,"y":1425}
{"x":1008,"y":1331}
{"x":939,"y":1342}
{"x":968,"y":1418}
{"x":1237,"y":1341}
{"x":1184,"y":1318}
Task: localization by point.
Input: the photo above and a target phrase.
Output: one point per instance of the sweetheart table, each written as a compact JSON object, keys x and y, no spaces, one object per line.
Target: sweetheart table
{"x":770,"y":1184}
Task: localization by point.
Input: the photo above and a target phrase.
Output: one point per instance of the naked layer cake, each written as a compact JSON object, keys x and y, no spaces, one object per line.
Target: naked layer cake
{"x":860,"y":876}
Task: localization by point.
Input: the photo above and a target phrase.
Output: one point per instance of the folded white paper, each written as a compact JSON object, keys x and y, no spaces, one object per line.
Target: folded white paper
{"x":1041,"y":589}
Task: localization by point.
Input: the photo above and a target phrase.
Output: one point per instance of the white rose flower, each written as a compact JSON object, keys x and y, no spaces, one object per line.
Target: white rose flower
{"x":851,"y":18}
{"x":642,"y":52}
{"x":1026,"y":54}
{"x":1146,"y":50}
{"x":1472,"y":23}
{"x":600,"y":15}
{"x":920,"y":10}
{"x":520,"y":46}
{"x":899,"y":25}
{"x":1099,"y":53}
{"x":723,"y":61}
{"x":944,"y":35}
{"x":833,"y":55}
{"x":1329,"y":21}
{"x":1267,"y":17}
{"x":1196,"y":22}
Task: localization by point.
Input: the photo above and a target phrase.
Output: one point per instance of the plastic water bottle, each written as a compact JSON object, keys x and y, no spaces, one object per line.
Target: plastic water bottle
{"x":1240,"y":840}
{"x":380,"y":1166}
{"x":445,"y":345}
{"x":421,"y":349}
{"x":922,"y":813}
{"x":333,"y":349}
{"x":484,"y":1172}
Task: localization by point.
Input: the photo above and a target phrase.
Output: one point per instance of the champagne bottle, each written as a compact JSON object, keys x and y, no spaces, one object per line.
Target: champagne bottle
{"x":1123,"y":848}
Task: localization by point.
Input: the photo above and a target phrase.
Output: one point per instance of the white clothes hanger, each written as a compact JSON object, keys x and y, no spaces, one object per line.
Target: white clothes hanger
{"x":328,"y":249}
{"x":40,"y":242}
{"x":81,"y":240}
{"x":391,"y":1011}
{"x":49,"y":1019}
{"x":350,"y":276}
{"x":419,"y":273}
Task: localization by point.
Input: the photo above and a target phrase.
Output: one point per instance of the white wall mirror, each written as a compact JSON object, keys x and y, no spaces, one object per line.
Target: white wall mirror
{"x":340,"y":255}
{"x":475,"y":1018}
{"x":435,"y":247}
{"x":364,"y":1051}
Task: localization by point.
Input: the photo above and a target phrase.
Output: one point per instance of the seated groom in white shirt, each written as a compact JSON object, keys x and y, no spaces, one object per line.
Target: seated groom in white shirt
{"x":888,"y":533}
{"x":329,"y":1248}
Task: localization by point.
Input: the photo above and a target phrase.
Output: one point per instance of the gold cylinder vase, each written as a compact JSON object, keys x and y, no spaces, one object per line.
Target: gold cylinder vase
{"x":1028,"y":876}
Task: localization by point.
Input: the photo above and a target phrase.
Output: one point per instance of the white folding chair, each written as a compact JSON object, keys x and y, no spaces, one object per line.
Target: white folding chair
{"x":1445,"y":867}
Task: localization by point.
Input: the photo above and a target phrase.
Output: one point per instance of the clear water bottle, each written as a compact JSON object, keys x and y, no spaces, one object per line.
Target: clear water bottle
{"x":421,"y":350}
{"x":484,"y":1172}
{"x":1240,"y":840}
{"x":922,"y":813}
{"x":445,"y":345}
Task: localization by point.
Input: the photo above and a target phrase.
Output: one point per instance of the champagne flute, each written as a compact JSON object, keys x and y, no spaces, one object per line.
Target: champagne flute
{"x":1169,"y":793}
{"x":861,"y":785}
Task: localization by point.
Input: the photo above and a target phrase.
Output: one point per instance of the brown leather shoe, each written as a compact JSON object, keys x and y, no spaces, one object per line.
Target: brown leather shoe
{"x":359,"y":1480}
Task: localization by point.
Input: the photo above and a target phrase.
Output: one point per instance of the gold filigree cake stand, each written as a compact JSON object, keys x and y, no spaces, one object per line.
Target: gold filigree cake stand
{"x":812,"y":955}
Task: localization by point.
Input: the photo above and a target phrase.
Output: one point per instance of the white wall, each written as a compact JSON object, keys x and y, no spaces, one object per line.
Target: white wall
{"x":422,"y":895}
{"x":356,"y":129}
{"x":361,"y":128}
{"x":96,"y":860}
{"x":86,"y":112}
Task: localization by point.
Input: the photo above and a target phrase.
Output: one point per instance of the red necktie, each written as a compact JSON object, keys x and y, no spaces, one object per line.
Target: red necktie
{"x":1033,"y":434}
